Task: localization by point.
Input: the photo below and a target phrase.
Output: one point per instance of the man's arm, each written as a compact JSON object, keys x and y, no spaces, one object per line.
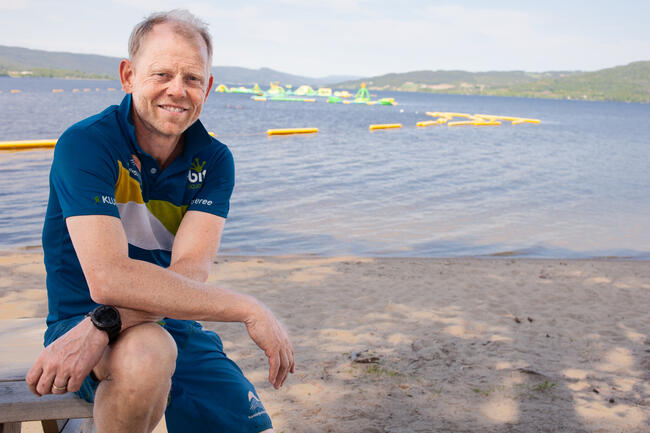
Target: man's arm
{"x":115,"y":279}
{"x":196,"y":244}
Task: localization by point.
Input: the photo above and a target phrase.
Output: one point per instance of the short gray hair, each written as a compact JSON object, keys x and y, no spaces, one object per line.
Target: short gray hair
{"x":183,"y":21}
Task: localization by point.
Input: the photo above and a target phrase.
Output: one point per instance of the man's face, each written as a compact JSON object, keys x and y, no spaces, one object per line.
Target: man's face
{"x":169,"y":80}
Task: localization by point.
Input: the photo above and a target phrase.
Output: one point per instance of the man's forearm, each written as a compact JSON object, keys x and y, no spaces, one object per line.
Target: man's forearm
{"x":139,"y":285}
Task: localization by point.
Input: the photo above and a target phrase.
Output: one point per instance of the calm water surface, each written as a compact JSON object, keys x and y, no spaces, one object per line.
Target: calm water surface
{"x":577,"y":185}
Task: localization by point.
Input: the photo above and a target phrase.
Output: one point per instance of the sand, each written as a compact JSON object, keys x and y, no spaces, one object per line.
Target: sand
{"x":432,"y":345}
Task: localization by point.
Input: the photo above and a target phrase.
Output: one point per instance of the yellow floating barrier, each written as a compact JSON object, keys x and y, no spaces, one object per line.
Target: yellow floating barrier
{"x":475,"y":123}
{"x":57,"y":90}
{"x":486,"y":123}
{"x":464,"y":115}
{"x":15,"y":90}
{"x":289,"y":131}
{"x":520,"y":121}
{"x":385,"y":126}
{"x":424,"y":123}
{"x":75,"y":90}
{"x":461,"y":123}
{"x":27,"y":144}
{"x":86,"y":89}
{"x":259,"y":98}
{"x":493,"y":117}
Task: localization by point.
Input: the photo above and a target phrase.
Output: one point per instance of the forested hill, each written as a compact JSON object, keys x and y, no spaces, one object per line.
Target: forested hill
{"x":630,"y":83}
{"x":20,"y":62}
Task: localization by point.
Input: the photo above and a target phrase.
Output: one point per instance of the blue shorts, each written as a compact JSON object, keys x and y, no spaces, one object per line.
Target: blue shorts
{"x":209,"y":392}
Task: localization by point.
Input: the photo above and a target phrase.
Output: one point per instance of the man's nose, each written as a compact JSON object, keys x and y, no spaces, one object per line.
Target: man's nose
{"x":177,"y":86}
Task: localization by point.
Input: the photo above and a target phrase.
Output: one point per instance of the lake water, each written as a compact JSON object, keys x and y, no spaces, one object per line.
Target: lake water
{"x":576,"y":185}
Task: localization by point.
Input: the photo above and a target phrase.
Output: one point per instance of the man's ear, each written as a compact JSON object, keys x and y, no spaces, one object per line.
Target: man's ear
{"x":210,"y":83}
{"x":126,"y":75}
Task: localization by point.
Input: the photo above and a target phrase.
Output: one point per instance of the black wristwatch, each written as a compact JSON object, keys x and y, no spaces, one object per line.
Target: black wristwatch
{"x":107,"y":318}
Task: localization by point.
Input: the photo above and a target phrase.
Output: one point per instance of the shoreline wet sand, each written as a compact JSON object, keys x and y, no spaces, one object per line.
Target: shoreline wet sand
{"x":424,"y":345}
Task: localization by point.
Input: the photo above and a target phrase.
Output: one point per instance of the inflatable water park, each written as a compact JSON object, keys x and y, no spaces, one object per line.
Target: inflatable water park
{"x":306,"y":93}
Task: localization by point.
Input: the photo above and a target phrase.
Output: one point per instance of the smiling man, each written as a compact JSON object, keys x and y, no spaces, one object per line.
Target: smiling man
{"x":138,"y":199}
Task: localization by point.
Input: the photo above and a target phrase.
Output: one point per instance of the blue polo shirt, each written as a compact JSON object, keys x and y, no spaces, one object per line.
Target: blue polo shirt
{"x":99,"y":169}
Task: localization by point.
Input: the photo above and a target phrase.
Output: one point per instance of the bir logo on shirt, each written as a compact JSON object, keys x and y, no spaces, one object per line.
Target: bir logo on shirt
{"x":196,"y":173}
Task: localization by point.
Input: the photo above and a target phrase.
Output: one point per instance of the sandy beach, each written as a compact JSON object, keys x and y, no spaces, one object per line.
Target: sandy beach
{"x":431,"y":345}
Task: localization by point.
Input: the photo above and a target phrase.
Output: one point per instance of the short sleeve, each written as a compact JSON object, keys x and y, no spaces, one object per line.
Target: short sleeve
{"x":84,"y":174}
{"x":218,"y":182}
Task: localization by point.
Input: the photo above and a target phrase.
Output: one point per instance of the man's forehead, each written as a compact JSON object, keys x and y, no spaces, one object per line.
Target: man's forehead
{"x":173,"y":30}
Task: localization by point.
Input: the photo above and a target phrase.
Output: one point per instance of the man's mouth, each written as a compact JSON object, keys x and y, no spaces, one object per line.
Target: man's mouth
{"x":172,"y":108}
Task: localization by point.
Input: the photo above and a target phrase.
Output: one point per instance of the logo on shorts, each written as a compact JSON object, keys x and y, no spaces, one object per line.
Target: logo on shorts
{"x":256,"y":408}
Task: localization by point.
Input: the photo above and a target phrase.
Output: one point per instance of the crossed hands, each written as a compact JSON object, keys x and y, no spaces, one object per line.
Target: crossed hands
{"x":271,"y":337}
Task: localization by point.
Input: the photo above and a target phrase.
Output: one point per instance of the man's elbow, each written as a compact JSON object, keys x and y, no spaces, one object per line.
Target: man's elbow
{"x":103,"y":284}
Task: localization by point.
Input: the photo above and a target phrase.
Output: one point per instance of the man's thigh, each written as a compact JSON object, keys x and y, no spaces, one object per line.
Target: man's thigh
{"x":209,"y":392}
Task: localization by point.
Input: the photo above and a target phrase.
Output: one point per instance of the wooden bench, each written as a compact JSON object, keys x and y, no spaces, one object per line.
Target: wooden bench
{"x":20,"y":343}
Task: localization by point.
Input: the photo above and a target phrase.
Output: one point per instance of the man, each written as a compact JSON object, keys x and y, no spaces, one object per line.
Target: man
{"x":138,"y":199}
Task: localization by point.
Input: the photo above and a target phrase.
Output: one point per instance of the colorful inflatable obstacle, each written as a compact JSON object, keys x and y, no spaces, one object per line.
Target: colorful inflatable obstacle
{"x":221,"y":88}
{"x":387,"y":101}
{"x":324,"y":91}
{"x":362,"y":96}
{"x":291,"y":99}
{"x":343,"y":94}
{"x":275,"y":90}
{"x":305,"y":90}
{"x":242,"y":89}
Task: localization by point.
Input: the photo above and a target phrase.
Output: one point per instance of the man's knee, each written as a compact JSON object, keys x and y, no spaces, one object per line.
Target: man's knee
{"x":144,"y":353}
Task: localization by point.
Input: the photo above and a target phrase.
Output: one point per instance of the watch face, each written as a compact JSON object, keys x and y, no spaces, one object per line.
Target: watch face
{"x":106,"y":315}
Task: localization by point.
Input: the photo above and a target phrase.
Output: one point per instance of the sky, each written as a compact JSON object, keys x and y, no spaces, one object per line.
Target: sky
{"x":316,"y":38}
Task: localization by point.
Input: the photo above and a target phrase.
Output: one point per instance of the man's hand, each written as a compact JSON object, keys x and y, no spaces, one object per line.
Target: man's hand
{"x":270,"y":336}
{"x":63,"y":365}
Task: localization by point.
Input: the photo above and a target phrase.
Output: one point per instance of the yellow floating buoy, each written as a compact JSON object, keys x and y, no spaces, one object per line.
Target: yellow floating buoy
{"x":461,"y":123}
{"x":212,"y":133}
{"x":288,"y":131}
{"x":86,"y":90}
{"x":259,"y":99}
{"x":26,"y":144}
{"x":16,"y":90}
{"x":57,"y":90}
{"x":75,"y":90}
{"x":385,"y":126}
{"x":111,"y":89}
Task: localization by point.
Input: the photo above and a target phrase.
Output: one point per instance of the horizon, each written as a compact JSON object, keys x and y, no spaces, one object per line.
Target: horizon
{"x":302,"y":38}
{"x":347,"y":75}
